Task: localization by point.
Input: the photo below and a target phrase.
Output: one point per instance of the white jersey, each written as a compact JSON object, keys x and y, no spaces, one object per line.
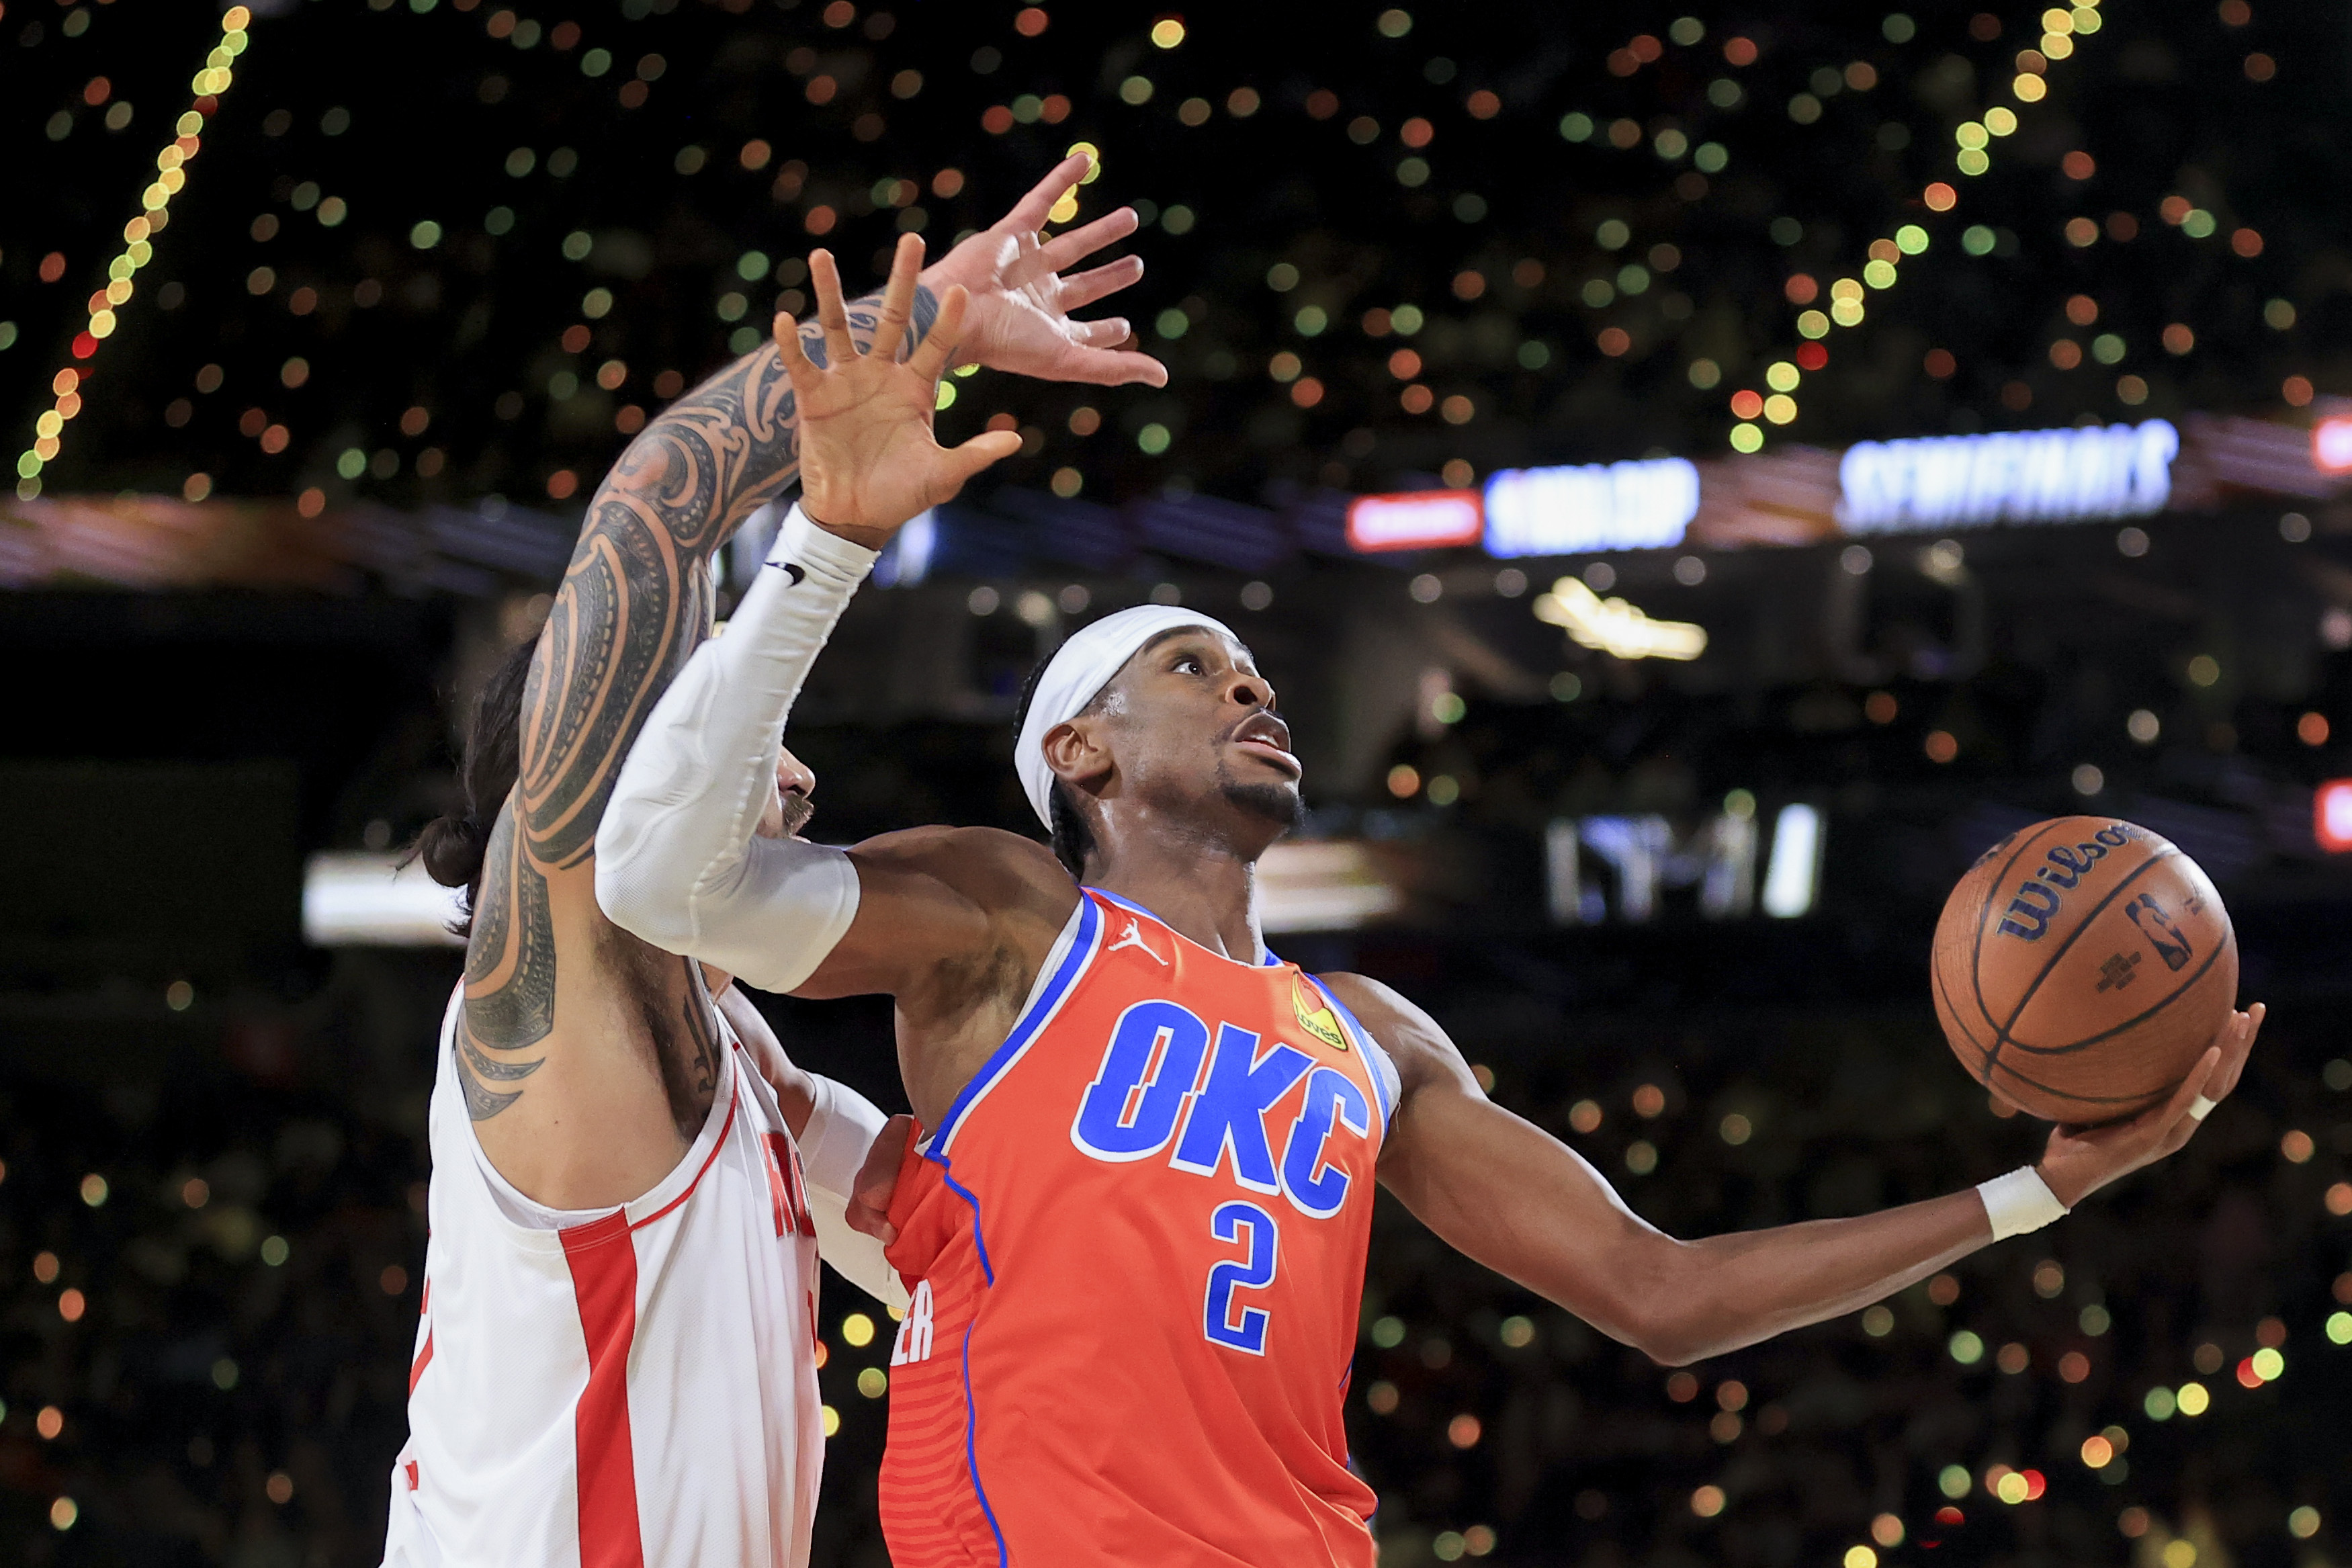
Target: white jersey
{"x":621,"y":1389}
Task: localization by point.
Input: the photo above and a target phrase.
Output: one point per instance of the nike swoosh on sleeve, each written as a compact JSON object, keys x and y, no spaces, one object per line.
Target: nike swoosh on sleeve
{"x":797,"y":574}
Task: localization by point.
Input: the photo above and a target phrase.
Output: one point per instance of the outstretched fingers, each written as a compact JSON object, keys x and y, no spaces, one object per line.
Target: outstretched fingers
{"x":929,"y":359}
{"x":962,"y":462}
{"x":1107,"y":334}
{"x":1083,"y":289}
{"x":898,"y":297}
{"x":2179,"y":1124}
{"x":2237,"y":1043}
{"x":831,"y":313}
{"x":1030,"y":211}
{"x":1067,"y":250}
{"x":1112,"y":367}
{"x":802,"y":371}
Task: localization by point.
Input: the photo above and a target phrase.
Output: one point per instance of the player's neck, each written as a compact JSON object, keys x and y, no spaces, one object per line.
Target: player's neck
{"x":1202,"y":893}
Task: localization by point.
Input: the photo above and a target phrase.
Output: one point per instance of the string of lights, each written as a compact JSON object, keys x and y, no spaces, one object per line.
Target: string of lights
{"x":1778,"y":404}
{"x":138,"y":250}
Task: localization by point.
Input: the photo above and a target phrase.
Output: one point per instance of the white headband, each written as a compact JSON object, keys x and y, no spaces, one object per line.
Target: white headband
{"x":1076,"y":674}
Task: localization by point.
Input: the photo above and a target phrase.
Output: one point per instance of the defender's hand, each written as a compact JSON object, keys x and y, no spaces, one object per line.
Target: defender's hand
{"x":869,"y":460}
{"x":868,"y":1210}
{"x":2078,"y":1162}
{"x":1020,"y":304}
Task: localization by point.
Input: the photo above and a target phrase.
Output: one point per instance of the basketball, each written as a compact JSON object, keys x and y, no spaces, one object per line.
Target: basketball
{"x":2081,"y":968}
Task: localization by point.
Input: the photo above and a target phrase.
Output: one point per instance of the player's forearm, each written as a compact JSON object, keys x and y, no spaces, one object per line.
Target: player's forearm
{"x":1716,"y":1295}
{"x":637,"y":596}
{"x":1512,"y":1197}
{"x":677,"y":863}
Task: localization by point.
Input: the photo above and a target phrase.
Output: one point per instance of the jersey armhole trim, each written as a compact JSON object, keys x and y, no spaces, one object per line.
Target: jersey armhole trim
{"x":734,"y":1103}
{"x":534,"y":1227}
{"x":1076,"y":951}
{"x":1386,"y":1081}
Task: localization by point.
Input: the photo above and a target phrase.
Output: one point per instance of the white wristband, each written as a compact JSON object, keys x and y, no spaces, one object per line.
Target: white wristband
{"x":801,"y":545}
{"x":2018,"y":1202}
{"x":841,"y":1127}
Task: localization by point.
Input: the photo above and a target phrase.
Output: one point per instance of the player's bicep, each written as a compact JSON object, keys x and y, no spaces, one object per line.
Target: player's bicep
{"x":909,"y":919}
{"x":509,"y":969}
{"x":939,"y":910}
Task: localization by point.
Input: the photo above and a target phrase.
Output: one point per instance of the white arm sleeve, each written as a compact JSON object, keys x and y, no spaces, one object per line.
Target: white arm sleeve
{"x":842,"y":1126}
{"x":676,"y":861}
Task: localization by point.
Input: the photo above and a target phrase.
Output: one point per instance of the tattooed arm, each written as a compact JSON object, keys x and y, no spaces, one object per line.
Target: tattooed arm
{"x":588,"y":1058}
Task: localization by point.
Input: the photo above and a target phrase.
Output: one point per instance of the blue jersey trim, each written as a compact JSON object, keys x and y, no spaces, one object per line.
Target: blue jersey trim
{"x":979,"y":1240}
{"x":971,"y":1425}
{"x":1074,"y":963}
{"x":1127,"y":904}
{"x":1365,"y":1046}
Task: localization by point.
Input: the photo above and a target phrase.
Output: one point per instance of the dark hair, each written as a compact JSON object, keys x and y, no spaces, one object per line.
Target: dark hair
{"x":453,"y":845}
{"x":1073,"y":841}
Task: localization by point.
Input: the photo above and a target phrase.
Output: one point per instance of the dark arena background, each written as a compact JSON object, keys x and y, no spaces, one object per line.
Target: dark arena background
{"x":1807,"y":442}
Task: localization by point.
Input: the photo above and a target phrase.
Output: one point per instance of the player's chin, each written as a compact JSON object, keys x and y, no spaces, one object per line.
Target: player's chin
{"x":1276,"y":802}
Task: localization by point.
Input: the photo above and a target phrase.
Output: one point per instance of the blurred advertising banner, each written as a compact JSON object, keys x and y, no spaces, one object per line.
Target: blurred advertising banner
{"x":372,"y":899}
{"x":1786,"y":496}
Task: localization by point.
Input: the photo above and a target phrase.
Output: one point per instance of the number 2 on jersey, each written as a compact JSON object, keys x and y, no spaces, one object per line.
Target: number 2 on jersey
{"x":1245,"y":1330}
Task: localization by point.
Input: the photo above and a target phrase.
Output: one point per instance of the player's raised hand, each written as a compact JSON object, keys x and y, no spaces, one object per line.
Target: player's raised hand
{"x":869,"y":460}
{"x":1021,"y":301}
{"x":2081,"y":1160}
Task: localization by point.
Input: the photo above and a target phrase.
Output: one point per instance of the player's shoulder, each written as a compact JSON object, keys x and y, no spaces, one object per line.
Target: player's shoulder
{"x":1373,"y":1002}
{"x":986,"y":863}
{"x":1413,"y":1040}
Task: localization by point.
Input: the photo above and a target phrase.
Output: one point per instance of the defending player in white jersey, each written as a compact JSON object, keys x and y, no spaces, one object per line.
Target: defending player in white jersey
{"x":616,"y":1363}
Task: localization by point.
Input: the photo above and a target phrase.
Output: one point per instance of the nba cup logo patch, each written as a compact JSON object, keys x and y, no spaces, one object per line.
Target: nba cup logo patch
{"x":1315,"y":1017}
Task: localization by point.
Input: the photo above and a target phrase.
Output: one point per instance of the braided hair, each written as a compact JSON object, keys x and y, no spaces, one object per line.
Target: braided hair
{"x":1072,"y":840}
{"x":453,"y":845}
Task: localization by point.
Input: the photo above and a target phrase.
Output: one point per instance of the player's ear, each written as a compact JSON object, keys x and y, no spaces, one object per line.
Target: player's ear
{"x":1078,"y":752}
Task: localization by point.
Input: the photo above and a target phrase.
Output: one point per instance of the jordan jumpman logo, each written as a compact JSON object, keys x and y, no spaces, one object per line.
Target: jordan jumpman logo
{"x":1134,"y":938}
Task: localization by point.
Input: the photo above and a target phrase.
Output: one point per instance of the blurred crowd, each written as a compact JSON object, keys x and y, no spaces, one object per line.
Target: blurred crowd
{"x":1466,"y":238}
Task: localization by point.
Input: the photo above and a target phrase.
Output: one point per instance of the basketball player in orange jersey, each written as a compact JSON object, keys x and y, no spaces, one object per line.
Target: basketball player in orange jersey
{"x":616,"y":1365}
{"x":1136,"y":1225}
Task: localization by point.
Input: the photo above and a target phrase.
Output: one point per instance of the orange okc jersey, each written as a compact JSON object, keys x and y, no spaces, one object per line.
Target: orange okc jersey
{"x":1136,"y":1246}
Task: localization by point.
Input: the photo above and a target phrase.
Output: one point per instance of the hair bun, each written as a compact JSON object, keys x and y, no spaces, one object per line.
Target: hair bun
{"x":452,"y":848}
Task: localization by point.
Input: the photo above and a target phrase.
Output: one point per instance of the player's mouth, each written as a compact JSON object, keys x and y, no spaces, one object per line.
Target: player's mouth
{"x":1263,"y":736}
{"x":798,"y":809}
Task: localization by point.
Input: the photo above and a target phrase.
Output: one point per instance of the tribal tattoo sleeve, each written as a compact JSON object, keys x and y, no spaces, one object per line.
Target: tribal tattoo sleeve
{"x":635,"y":601}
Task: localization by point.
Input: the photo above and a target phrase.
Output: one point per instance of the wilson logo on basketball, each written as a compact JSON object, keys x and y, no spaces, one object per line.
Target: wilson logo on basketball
{"x":2037,"y":898}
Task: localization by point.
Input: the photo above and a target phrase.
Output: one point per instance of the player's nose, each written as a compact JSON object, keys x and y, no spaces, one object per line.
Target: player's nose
{"x":794,"y":776}
{"x":1249,"y":690}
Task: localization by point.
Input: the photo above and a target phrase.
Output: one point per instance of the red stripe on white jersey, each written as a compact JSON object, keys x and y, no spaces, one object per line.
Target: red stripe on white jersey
{"x":604,"y":1282}
{"x":787,"y":1187}
{"x":424,"y":1360}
